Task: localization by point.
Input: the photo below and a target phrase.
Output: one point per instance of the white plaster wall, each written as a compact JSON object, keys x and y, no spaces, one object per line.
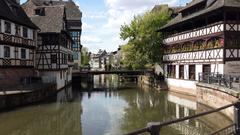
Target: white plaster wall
{"x":217,"y":68}
{"x":30,"y":33}
{"x":69,"y":74}
{"x":54,"y":76}
{"x":198,"y":70}
{"x":186,"y":71}
{"x":19,"y":52}
{"x":12,"y":56}
{"x":27,"y":54}
{"x":181,"y":83}
{"x":2,"y":26}
{"x":13,"y":31}
{"x":232,"y":68}
{"x":165,"y":70}
{"x":177,"y":71}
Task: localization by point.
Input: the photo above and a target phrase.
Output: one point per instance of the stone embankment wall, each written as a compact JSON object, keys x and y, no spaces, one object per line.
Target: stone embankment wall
{"x":148,"y":80}
{"x":216,"y":97}
{"x":20,"y":98}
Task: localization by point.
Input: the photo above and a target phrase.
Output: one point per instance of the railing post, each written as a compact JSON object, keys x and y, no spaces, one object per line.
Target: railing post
{"x":237,"y":117}
{"x":208,"y":78}
{"x":154,"y":128}
{"x":230,"y":82}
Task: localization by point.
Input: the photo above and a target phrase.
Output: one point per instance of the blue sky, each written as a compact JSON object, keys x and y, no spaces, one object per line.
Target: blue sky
{"x":102,"y":19}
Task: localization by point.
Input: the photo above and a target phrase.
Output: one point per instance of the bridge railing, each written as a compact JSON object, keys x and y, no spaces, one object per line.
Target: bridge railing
{"x":154,"y":128}
{"x":228,"y":81}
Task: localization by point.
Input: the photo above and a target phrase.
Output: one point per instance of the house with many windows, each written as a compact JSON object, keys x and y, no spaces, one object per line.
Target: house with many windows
{"x":54,"y":59}
{"x":202,"y":39}
{"x":17,"y":43}
{"x":73,"y":21}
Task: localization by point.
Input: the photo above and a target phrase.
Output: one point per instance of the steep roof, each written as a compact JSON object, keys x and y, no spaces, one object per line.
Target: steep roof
{"x":72,"y":10}
{"x":211,"y":5}
{"x":191,"y":4}
{"x":52,"y":21}
{"x":12,"y":11}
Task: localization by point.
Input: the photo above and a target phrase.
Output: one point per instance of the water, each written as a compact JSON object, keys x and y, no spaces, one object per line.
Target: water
{"x":122,"y":108}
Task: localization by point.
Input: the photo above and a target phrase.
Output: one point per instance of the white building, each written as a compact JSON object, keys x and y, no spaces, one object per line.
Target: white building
{"x":17,"y":44}
{"x":203,"y":38}
{"x":54,"y":58}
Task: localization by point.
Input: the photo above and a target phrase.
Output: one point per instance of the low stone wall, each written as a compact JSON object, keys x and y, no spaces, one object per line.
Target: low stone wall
{"x":8,"y":101}
{"x":216,"y":97}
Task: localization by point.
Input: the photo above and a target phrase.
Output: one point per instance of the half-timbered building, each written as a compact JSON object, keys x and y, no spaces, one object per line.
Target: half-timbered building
{"x":73,"y":20}
{"x":203,"y":38}
{"x":54,"y":58}
{"x":17,"y":43}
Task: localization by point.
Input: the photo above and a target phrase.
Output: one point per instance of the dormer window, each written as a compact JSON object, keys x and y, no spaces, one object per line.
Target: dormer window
{"x":40,"y":11}
{"x":7,"y":27}
{"x":193,"y":9}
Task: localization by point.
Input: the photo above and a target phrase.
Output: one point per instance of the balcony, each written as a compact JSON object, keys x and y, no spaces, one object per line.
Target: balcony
{"x":7,"y":62}
{"x":11,"y":39}
{"x":203,"y":31}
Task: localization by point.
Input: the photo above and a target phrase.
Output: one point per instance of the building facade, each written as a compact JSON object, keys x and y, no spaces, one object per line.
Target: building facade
{"x":101,"y":61}
{"x":17,"y":43}
{"x":54,"y":59}
{"x":73,"y":22}
{"x":202,"y":39}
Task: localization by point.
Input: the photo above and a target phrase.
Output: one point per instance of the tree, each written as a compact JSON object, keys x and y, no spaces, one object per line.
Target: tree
{"x":85,"y":59}
{"x":144,"y":47}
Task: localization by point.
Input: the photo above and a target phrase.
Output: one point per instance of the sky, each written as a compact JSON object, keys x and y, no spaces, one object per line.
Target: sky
{"x":102,"y":19}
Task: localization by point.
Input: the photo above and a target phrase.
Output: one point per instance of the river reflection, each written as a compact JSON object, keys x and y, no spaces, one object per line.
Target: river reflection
{"x":110,"y":112}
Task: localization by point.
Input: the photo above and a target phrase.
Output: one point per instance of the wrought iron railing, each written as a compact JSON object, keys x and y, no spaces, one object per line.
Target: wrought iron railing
{"x":234,"y":129}
{"x":228,"y":81}
{"x":16,"y":39}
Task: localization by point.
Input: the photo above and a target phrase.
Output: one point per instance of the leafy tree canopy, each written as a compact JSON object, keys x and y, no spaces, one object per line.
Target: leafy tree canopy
{"x":144,"y":48}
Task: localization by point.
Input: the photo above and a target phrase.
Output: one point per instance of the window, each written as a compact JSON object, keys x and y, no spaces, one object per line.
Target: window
{"x":7,"y":27}
{"x":6,"y":52}
{"x":206,"y":69}
{"x":192,"y":72}
{"x":40,"y":11}
{"x":181,"y":71}
{"x":171,"y":71}
{"x":25,"y":32}
{"x":18,"y":30}
{"x":23,"y":53}
{"x":53,"y":58}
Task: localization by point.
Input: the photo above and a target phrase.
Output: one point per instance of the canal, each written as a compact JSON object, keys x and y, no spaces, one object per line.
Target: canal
{"x":120,"y":108}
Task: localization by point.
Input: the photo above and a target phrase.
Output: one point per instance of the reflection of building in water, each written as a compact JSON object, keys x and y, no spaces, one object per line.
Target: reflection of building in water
{"x":182,"y":107}
{"x":106,"y":81}
{"x":65,"y":119}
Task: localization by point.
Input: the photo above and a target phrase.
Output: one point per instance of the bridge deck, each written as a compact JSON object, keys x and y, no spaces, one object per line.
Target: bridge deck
{"x":129,"y":72}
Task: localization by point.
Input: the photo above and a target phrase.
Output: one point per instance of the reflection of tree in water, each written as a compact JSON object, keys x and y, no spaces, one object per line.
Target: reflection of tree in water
{"x":143,"y":107}
{"x":152,"y":106}
{"x":50,"y":119}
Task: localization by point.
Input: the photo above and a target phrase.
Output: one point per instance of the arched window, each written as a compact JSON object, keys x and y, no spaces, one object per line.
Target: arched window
{"x":199,"y":45}
{"x":186,"y":47}
{"x":216,"y":42}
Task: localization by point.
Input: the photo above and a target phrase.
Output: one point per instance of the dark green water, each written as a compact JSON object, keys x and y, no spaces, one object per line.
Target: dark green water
{"x":125,"y":108}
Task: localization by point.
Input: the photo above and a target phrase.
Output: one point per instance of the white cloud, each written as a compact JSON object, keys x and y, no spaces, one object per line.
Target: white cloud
{"x":86,"y":26}
{"x":118,"y":13}
{"x":91,"y":39}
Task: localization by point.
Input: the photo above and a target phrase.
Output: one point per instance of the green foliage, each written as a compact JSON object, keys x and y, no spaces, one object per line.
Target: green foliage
{"x":144,"y":47}
{"x":85,"y":59}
